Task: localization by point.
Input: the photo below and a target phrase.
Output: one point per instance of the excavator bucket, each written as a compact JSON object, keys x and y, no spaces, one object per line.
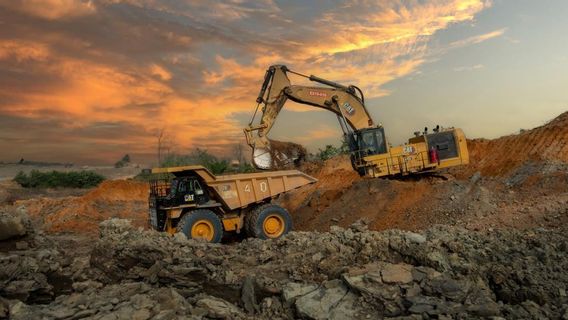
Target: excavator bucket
{"x":262,"y":158}
{"x":278,"y":155}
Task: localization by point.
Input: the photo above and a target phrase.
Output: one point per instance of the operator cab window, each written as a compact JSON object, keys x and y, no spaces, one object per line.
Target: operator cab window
{"x":197,"y":187}
{"x":373,"y":142}
{"x":182,"y":188}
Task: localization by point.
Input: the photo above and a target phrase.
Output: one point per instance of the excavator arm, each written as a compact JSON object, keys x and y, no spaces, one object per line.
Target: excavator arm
{"x":347,"y":102}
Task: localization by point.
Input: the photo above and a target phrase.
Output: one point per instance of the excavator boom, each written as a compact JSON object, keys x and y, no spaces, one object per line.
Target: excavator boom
{"x":275,"y":92}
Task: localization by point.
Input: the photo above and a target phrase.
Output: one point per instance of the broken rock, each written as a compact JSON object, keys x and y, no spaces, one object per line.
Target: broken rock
{"x":321,"y":303}
{"x":218,"y":308}
{"x":397,"y":273}
{"x":13,"y":224}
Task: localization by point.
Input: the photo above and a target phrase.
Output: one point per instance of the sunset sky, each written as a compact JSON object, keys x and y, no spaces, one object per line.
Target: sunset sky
{"x":88,"y":81}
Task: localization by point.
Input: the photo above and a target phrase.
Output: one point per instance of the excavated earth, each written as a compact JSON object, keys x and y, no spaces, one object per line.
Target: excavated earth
{"x":515,"y":181}
{"x":482,"y":241}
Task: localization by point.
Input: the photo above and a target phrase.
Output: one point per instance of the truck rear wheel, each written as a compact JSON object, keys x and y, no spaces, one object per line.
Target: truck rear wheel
{"x":269,"y":221}
{"x":201,"y":224}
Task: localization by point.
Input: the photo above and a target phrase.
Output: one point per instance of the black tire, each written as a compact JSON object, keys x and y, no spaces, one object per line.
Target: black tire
{"x":257,"y":219}
{"x":193,"y":219}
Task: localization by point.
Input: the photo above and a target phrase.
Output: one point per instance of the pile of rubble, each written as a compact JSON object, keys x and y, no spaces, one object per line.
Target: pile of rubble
{"x":352,"y":273}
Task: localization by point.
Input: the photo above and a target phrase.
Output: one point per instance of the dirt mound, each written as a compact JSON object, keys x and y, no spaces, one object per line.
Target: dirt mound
{"x":286,"y":155}
{"x":499,"y":157}
{"x":112,"y":199}
{"x":118,"y":190}
{"x":350,"y":273}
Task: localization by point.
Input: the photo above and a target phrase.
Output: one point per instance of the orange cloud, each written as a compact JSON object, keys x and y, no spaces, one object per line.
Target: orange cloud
{"x":136,"y":66}
{"x":52,"y":9}
{"x":23,"y":50}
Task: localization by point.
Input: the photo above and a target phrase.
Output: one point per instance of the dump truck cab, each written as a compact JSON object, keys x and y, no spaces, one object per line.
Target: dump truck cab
{"x":187,"y":191}
{"x":193,"y":201}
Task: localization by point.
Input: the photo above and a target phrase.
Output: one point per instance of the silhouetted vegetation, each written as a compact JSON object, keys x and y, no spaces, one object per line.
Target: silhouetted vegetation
{"x":57,"y":179}
{"x":123,"y":162}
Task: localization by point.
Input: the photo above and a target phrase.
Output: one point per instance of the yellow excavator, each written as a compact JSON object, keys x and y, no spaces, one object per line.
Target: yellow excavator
{"x":371,"y":154}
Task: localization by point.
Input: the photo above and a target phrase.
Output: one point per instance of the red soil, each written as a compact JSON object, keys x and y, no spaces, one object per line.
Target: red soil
{"x":112,"y":199}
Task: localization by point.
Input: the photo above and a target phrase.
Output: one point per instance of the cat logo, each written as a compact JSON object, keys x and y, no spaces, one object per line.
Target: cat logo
{"x":409,"y":149}
{"x":348,"y":108}
{"x":188,"y":197}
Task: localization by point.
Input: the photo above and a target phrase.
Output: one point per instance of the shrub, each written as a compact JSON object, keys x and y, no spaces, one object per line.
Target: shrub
{"x":57,"y":179}
{"x":328,"y":153}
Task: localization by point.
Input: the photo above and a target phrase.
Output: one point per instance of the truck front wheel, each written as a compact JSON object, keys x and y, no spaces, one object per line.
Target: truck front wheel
{"x":201,"y":224}
{"x":269,"y":221}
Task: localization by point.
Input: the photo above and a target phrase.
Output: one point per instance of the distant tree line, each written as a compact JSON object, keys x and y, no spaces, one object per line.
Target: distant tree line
{"x":58,"y":179}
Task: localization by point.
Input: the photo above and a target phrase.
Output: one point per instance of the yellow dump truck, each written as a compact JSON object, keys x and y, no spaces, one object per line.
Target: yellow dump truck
{"x":193,"y":201}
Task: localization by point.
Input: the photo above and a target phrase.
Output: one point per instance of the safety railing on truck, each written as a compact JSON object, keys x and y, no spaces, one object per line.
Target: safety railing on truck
{"x":159,"y":188}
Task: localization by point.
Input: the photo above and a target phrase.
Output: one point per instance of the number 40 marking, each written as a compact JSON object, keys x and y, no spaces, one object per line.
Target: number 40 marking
{"x":263,"y":187}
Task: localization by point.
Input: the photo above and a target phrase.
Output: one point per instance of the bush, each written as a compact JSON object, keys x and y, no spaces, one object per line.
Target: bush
{"x":57,"y":179}
{"x":329,"y":152}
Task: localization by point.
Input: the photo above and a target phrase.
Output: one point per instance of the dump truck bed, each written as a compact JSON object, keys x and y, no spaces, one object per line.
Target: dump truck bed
{"x":240,"y":190}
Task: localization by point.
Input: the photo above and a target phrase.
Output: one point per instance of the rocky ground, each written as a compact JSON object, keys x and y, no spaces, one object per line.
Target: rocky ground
{"x":441,"y":273}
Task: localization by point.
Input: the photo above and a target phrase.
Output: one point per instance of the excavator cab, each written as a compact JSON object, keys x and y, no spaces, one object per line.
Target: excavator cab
{"x":365,"y":142}
{"x":371,"y":141}
{"x":186,"y":190}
